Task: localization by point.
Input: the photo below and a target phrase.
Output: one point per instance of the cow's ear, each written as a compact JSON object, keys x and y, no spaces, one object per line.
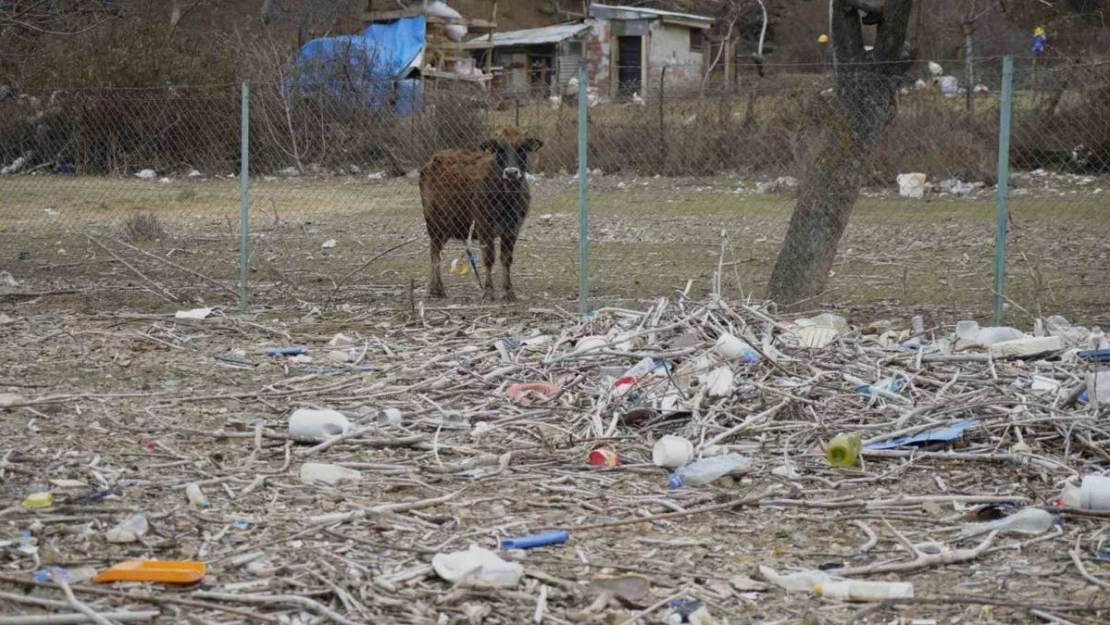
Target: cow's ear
{"x":488,"y":145}
{"x":533,"y":144}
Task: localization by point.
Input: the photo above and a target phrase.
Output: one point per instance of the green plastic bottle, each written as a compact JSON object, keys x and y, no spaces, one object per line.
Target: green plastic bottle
{"x":843,"y":451}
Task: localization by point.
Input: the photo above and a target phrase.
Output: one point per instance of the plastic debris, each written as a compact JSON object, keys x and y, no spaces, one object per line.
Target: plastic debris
{"x":672,"y":452}
{"x":546,"y":539}
{"x":129,"y":531}
{"x":530,"y":393}
{"x":1024,"y":521}
{"x":286,"y":351}
{"x":863,"y":591}
{"x":196,"y":496}
{"x":38,"y":500}
{"x":634,"y":588}
{"x":944,"y":434}
{"x":328,"y":474}
{"x":311,"y":425}
{"x":477,"y":565}
{"x":155,"y":571}
{"x":843,"y":450}
{"x":708,"y":470}
{"x":603,"y":456}
{"x":196,"y":313}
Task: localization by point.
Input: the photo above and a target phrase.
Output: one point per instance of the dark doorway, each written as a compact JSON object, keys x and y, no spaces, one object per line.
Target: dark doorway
{"x":629,"y":64}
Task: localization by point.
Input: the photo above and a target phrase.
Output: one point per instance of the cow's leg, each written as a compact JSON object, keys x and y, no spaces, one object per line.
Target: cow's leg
{"x":487,"y":262}
{"x":507,"y":244}
{"x":435,"y":284}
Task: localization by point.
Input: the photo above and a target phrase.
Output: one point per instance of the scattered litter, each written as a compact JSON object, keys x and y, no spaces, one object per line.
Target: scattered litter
{"x":129,"y":531}
{"x":708,"y":470}
{"x":945,"y":434}
{"x":154,"y":571}
{"x":1025,"y":521}
{"x":286,"y":351}
{"x":911,"y":185}
{"x":310,"y":425}
{"x":196,"y":313}
{"x":546,"y":539}
{"x":477,"y":565}
{"x":1094,"y":493}
{"x":328,"y":474}
{"x":145,"y":174}
{"x":859,"y":590}
{"x":196,"y":496}
{"x":532,"y":393}
{"x":389,"y":417}
{"x":603,"y":456}
{"x":843,"y":450}
{"x":35,"y":501}
{"x":672,"y":452}
{"x":327,"y":245}
{"x":633,"y":588}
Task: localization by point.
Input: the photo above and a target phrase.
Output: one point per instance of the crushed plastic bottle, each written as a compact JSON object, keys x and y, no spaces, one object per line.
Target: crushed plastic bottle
{"x":971,"y":334}
{"x":802,"y":581}
{"x":843,"y":450}
{"x":632,"y":376}
{"x":707,"y":470}
{"x":129,"y":531}
{"x":196,"y":496}
{"x":1025,"y":521}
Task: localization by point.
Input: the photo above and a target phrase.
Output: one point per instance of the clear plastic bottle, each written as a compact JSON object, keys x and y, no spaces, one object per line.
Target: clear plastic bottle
{"x":196,"y":496}
{"x":128,"y":531}
{"x":707,"y":470}
{"x":633,"y":375}
{"x":1025,"y":521}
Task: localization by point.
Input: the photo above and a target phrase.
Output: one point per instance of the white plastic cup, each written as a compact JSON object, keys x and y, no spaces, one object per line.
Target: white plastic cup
{"x":310,"y":425}
{"x":671,"y":452}
{"x":1094,"y":494}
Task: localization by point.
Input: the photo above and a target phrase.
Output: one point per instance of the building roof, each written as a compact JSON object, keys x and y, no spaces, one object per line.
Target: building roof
{"x":686,"y":19}
{"x":530,"y":36}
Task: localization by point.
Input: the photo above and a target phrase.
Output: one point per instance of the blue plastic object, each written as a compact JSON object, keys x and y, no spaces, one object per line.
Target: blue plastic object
{"x":1097,"y":355}
{"x":375,"y":65}
{"x":286,"y":351}
{"x":947,"y":433}
{"x":556,"y":537}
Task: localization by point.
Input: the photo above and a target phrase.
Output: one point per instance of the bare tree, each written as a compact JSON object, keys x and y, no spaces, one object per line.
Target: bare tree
{"x":865,"y":102}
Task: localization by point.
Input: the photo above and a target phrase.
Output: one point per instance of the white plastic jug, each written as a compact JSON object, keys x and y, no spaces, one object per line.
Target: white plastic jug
{"x":310,"y":425}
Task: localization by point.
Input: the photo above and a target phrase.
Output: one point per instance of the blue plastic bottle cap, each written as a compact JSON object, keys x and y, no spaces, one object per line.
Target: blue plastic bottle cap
{"x":676,"y":481}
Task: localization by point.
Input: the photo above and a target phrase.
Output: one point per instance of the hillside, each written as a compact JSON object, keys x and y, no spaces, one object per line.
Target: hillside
{"x":225,"y":40}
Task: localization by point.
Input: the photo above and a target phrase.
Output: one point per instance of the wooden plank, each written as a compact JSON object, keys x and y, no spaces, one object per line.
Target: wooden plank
{"x":388,"y":16}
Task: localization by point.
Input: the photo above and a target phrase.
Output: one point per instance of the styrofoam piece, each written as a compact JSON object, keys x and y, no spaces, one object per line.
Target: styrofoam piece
{"x":477,"y":565}
{"x":672,"y":452}
{"x":306,"y":424}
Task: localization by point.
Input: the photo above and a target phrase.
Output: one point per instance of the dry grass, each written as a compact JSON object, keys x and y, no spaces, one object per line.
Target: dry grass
{"x":648,"y":237}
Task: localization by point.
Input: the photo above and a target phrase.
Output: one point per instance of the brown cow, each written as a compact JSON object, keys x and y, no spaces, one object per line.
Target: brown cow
{"x":486,"y":188}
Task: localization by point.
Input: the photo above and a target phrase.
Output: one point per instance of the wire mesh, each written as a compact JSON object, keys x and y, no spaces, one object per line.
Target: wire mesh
{"x":693,"y":184}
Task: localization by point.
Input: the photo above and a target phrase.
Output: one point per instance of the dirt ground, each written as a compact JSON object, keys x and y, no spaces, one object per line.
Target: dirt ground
{"x":116,"y":412}
{"x":114,"y":406}
{"x":649,"y":237}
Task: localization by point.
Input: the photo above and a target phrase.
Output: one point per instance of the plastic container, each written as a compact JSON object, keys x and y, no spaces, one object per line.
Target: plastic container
{"x":1027,"y":346}
{"x":156,"y":571}
{"x":970,"y":332}
{"x":329,"y":474}
{"x":196,"y":496}
{"x":843,"y":450}
{"x":708,"y":470}
{"x":1098,"y":339}
{"x":672,"y":452}
{"x":859,"y":590}
{"x":911,"y":185}
{"x":308,"y":425}
{"x":732,"y":347}
{"x":129,"y":531}
{"x":389,"y":417}
{"x":1025,"y":521}
{"x":477,"y":565}
{"x":1094,"y":493}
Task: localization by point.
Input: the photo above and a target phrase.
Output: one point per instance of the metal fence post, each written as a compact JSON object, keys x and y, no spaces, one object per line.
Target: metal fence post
{"x":1001,"y":210}
{"x":244,"y":197}
{"x":583,"y":211}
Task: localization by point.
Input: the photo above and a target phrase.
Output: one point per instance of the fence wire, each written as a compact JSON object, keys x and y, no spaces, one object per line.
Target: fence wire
{"x":692,"y":186}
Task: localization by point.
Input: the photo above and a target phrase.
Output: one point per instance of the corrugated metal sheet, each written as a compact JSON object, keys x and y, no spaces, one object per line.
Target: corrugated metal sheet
{"x":567,"y":69}
{"x":531,"y":36}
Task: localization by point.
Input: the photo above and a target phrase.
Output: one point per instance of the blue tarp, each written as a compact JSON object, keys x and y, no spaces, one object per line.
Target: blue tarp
{"x":375,"y":63}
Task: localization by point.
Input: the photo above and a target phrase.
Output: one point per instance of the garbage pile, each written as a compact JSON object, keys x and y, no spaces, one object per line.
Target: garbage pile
{"x":705,"y":462}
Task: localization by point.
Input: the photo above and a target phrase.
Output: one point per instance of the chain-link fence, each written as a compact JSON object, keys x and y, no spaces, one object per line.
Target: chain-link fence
{"x":692,"y":185}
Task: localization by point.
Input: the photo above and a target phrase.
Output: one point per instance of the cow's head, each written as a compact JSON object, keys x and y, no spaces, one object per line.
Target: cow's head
{"x":510,"y":148}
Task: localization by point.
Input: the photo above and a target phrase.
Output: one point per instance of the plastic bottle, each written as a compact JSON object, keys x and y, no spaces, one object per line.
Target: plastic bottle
{"x":129,"y":531}
{"x":707,"y":470}
{"x":1098,"y":339}
{"x":196,"y":496}
{"x":843,"y":450}
{"x":858,"y":590}
{"x":633,"y":375}
{"x":1024,"y":521}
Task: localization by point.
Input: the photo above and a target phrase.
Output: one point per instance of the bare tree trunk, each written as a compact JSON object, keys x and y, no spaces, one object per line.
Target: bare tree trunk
{"x":969,"y":62}
{"x":865,"y":103}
